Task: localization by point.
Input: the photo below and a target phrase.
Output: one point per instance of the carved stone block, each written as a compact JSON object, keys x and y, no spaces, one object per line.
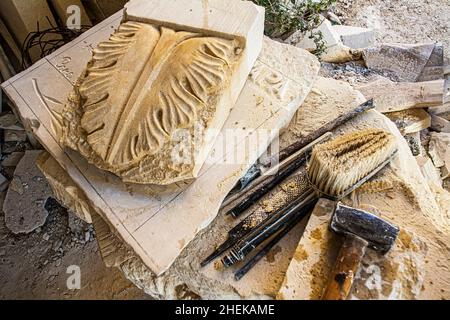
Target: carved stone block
{"x":159,"y":226}
{"x":153,"y":99}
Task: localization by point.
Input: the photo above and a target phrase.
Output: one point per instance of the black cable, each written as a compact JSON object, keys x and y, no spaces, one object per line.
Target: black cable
{"x":47,"y":41}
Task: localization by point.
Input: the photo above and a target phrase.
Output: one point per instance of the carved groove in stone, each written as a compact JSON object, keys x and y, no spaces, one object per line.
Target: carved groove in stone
{"x":140,"y":87}
{"x":52,"y":105}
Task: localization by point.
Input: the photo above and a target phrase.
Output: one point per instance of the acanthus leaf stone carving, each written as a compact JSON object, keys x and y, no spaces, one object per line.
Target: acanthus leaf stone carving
{"x":141,"y":86}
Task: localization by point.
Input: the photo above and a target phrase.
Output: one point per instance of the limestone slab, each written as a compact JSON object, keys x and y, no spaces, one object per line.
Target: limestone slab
{"x":114,"y":251}
{"x":174,"y":95}
{"x":440,"y":124}
{"x":14,"y":135}
{"x":335,"y":52}
{"x":9,"y":122}
{"x":159,"y":226}
{"x":337,"y":97}
{"x":429,"y":171}
{"x":109,"y":7}
{"x":13,"y":159}
{"x":434,"y":69}
{"x":411,"y":120}
{"x":316,"y":248}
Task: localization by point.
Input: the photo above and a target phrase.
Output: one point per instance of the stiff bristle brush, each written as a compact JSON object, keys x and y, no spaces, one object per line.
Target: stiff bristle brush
{"x":336,"y":168}
{"x":341,"y":165}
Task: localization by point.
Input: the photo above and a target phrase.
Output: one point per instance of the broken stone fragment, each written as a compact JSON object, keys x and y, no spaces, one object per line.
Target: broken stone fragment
{"x":429,"y":171}
{"x":3,"y":183}
{"x":355,"y":37}
{"x":113,"y":249}
{"x":398,"y":275}
{"x":133,"y":138}
{"x":13,"y":159}
{"x":15,"y":135}
{"x":404,"y":62}
{"x":26,"y":197}
{"x":439,"y":149}
{"x":335,"y":52}
{"x":280,"y":82}
{"x":440,"y":124}
{"x":337,"y":97}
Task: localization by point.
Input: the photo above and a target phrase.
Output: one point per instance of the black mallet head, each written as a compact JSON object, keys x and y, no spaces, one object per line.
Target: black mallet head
{"x":379,"y":233}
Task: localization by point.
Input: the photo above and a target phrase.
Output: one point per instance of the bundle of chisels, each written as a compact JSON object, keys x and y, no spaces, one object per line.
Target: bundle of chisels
{"x":259,"y":232}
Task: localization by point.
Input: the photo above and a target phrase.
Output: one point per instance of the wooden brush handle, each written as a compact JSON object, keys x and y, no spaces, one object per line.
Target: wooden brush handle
{"x":344,"y":272}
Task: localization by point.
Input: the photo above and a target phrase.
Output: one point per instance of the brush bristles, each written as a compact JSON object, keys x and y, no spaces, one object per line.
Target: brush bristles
{"x":338,"y":164}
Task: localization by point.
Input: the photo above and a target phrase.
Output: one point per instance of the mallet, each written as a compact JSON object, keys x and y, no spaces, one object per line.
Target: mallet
{"x":361,"y":230}
{"x":336,"y":168}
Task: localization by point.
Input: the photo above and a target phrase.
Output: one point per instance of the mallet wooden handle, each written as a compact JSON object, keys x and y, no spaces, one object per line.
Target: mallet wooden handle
{"x":344,"y":272}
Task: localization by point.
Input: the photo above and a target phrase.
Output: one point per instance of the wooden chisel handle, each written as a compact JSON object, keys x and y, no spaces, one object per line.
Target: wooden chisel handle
{"x":346,"y":266}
